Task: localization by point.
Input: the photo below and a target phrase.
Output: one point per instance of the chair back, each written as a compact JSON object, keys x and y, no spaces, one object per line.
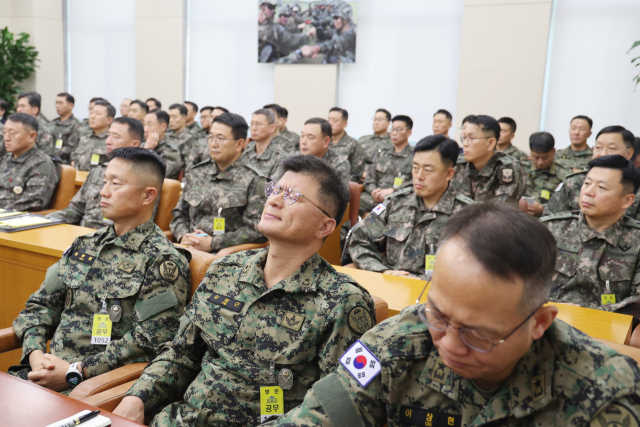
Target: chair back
{"x":354,"y":202}
{"x":65,"y":190}
{"x":331,"y":249}
{"x":382,"y":309}
{"x":169,"y":197}
{"x":200,"y":262}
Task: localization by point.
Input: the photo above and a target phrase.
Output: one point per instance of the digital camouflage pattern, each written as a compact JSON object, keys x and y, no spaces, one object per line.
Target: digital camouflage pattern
{"x":401,"y":235}
{"x":502,"y":179}
{"x":292,"y":137}
{"x":184,"y":141}
{"x":68,"y":133}
{"x":388,"y":166}
{"x":28,"y":182}
{"x":220,"y":357}
{"x":268,"y":161}
{"x":542,"y":183}
{"x":574,"y":159}
{"x":587,"y":260}
{"x":89,"y":145}
{"x":372,"y":145}
{"x":565,"y":379}
{"x":170,"y":153}
{"x":339,"y":163}
{"x":238,"y":190}
{"x":199,"y":152}
{"x":350,"y":150}
{"x":516,"y":153}
{"x":141,"y":270}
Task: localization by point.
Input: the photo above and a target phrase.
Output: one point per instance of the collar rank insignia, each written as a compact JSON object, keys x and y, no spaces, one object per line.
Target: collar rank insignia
{"x":537,"y":387}
{"x":439,"y":373}
{"x":292,"y":321}
{"x":82,"y":257}
{"x":625,"y":247}
{"x":226,"y":302}
{"x":126,"y":266}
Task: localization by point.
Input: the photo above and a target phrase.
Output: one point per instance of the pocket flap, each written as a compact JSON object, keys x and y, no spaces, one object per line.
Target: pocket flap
{"x":156,"y":304}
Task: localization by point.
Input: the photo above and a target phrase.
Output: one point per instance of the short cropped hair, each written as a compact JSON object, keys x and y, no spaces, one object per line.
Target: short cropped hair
{"x":179,"y":107}
{"x":97,"y":98}
{"x":405,"y":119}
{"x":142,"y":105}
{"x":584,"y":118}
{"x":447,"y":148}
{"x":158,"y":103}
{"x":193,"y":105}
{"x":32,"y":97}
{"x":221,"y":109}
{"x":386,"y":113}
{"x":280,"y":112}
{"x":325,"y":127}
{"x":238,"y":124}
{"x":630,"y":174}
{"x":285,"y":113}
{"x":542,"y":142}
{"x":111,"y":110}
{"x":136,"y":129}
{"x":466,"y":119}
{"x":162,"y":116}
{"x":627,"y":136}
{"x":4,"y":105}
{"x":27,"y":120}
{"x":333,"y":192}
{"x":146,"y":161}
{"x":445,"y":113}
{"x":207,"y":108}
{"x":345,"y":113}
{"x":70,"y":99}
{"x":493,"y":234}
{"x":508,"y":121}
{"x":267,"y":113}
{"x":636,"y":147}
{"x":487,"y":124}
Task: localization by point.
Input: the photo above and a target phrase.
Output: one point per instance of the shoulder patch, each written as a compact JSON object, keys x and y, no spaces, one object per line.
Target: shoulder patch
{"x":360,"y":320}
{"x":256,"y":170}
{"x":563,"y":215}
{"x":630,"y":222}
{"x":464,"y":199}
{"x":615,"y":414}
{"x":507,"y":175}
{"x":169,"y":270}
{"x":360,"y":362}
{"x":379,"y":209}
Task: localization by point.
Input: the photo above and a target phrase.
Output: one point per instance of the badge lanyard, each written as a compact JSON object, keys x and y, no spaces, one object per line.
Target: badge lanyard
{"x":101,"y":330}
{"x":218,"y":224}
{"x":608,"y":297}
{"x":429,"y":261}
{"x":272,"y":397}
{"x":59,"y":141}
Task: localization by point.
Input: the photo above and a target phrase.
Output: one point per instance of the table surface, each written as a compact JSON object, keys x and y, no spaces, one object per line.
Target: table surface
{"x":52,"y":241}
{"x":401,"y":292}
{"x":81,"y":177}
{"x":25,"y":404}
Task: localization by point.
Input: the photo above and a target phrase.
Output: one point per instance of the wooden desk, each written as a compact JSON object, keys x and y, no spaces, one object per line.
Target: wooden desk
{"x":81,"y":177}
{"x":401,"y":292}
{"x":25,"y":404}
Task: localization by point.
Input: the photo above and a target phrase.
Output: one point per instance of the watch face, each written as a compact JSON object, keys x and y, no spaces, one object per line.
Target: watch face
{"x":73,"y":378}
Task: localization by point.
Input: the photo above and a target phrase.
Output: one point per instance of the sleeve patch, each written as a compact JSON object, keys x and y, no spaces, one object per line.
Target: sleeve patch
{"x":379,"y":209}
{"x":361,"y":363}
{"x":156,"y":304}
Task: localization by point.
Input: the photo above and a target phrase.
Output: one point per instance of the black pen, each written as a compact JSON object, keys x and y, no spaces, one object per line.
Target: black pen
{"x":81,"y":419}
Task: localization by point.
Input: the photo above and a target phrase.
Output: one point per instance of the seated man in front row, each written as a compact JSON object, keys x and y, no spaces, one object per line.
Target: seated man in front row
{"x":483,"y":349}
{"x":271,"y":321}
{"x":408,"y":224}
{"x":223,"y":196}
{"x":599,"y":247}
{"x":125,"y":281}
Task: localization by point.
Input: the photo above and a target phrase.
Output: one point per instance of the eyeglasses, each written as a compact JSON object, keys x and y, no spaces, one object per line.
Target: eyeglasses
{"x":218,"y":139}
{"x":473,"y":339}
{"x":290,"y":195}
{"x":464,"y":138}
{"x":379,"y":119}
{"x":397,"y":130}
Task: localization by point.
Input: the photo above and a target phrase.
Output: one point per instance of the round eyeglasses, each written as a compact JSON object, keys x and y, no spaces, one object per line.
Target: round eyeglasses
{"x":289,"y":194}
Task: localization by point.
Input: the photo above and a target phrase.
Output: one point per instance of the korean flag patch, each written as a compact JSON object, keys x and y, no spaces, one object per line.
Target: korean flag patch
{"x":379,"y":209}
{"x":361,"y":363}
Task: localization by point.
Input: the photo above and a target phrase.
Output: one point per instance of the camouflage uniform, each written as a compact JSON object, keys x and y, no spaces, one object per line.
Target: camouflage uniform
{"x":282,"y":40}
{"x":516,"y":153}
{"x":238,"y":190}
{"x":84,"y":129}
{"x":388,"y":166}
{"x":339,"y":163}
{"x":349,"y":149}
{"x":234,"y":327}
{"x":141,"y":271}
{"x":42,"y":119}
{"x":91,"y":151}
{"x":292,"y":137}
{"x":565,"y":379}
{"x":502,"y":179}
{"x":267,"y":162}
{"x":406,"y":230}
{"x":46,"y":141}
{"x":588,"y":260}
{"x":286,"y":144}
{"x":342,"y":46}
{"x":372,"y":145}
{"x":66,"y":137}
{"x":184,"y":141}
{"x":574,"y":159}
{"x":541,"y":183}
{"x":195,"y":130}
{"x":3,"y":149}
{"x":170,"y":153}
{"x":28,"y":182}
{"x":199,"y":152}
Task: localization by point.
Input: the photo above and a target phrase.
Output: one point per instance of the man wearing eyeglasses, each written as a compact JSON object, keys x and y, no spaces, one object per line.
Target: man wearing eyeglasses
{"x":483,"y":350}
{"x":223,"y":197}
{"x":488,"y":175}
{"x":264,"y":325}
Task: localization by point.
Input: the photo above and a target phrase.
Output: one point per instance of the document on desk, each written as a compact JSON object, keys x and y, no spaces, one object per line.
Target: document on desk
{"x":25,"y":221}
{"x":6,"y":214}
{"x":98,"y":421}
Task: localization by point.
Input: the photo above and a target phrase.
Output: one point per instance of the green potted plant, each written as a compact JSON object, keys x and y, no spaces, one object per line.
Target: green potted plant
{"x":17,"y":64}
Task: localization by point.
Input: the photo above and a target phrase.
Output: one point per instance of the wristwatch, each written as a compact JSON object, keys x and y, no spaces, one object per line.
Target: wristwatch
{"x":74,"y":374}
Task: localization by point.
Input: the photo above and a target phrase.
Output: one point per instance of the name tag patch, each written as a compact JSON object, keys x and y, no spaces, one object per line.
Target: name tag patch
{"x":226,"y":302}
{"x":361,"y":363}
{"x":83,"y":258}
{"x":424,"y":417}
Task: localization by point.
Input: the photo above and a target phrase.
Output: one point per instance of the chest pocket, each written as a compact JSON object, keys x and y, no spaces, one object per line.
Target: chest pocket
{"x":568,"y":259}
{"x":217,"y":325}
{"x":618,"y":268}
{"x":400,"y":226}
{"x":283,"y":346}
{"x":17,"y":180}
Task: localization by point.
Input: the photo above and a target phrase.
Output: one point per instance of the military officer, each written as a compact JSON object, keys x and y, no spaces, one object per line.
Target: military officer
{"x":341,"y":48}
{"x":442,"y":120}
{"x":115,"y":295}
{"x":223,"y":196}
{"x":293,"y":139}
{"x":124,"y":107}
{"x":156,"y":139}
{"x":345,"y":146}
{"x":177,"y":123}
{"x":84,"y":208}
{"x":407,"y":226}
{"x":505,"y":145}
{"x":372,"y":145}
{"x":392,"y":168}
{"x":91,"y":151}
{"x":65,"y":128}
{"x":609,"y":141}
{"x":28,"y":176}
{"x":263,"y":321}
{"x":191,"y":125}
{"x":544,"y":174}
{"x":29,"y":103}
{"x":84,"y":128}
{"x":262,"y":153}
{"x":315,"y":140}
{"x":483,"y":349}
{"x":200,"y":149}
{"x":153,"y":104}
{"x":138,"y":110}
{"x":487,"y":175}
{"x":577,"y":155}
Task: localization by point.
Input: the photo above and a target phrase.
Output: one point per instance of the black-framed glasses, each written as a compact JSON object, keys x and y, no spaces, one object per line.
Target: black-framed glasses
{"x":473,"y":339}
{"x":289,"y":194}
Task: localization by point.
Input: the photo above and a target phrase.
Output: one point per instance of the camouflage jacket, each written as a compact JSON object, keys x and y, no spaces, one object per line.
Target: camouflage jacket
{"x":406,"y":230}
{"x":84,"y":128}
{"x":349,"y":149}
{"x":184,"y":141}
{"x":91,"y":151}
{"x":170,"y":153}
{"x":502,"y":179}
{"x":238,"y":191}
{"x":372,"y":145}
{"x":282,"y":40}
{"x":66,"y":136}
{"x":293,"y":137}
{"x":588,"y":261}
{"x":28,"y":182}
{"x":199,"y":152}
{"x":339,"y":163}
{"x":516,"y":153}
{"x":46,"y":141}
{"x":235,"y":327}
{"x":541,"y":183}
{"x":341,"y":45}
{"x":565,"y":379}
{"x":383,"y":173}
{"x":284,"y":143}
{"x":141,"y":271}
{"x":195,"y":130}
{"x":268,"y":161}
{"x":574,"y":159}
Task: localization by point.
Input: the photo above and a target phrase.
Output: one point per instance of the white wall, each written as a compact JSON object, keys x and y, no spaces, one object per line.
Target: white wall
{"x":590,"y":70}
{"x":102,"y":52}
{"x":407,"y":61}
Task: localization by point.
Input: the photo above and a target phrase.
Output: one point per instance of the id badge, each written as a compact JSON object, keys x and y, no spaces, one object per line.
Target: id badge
{"x":101,"y":331}
{"x":397,"y":182}
{"x":608,"y":299}
{"x":429,"y":261}
{"x":545,"y":194}
{"x":58,"y":144}
{"x":271,"y":403}
{"x":95,"y":159}
{"x":218,"y":226}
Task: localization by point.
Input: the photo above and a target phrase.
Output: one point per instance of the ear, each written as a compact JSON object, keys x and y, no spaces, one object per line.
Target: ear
{"x":629,"y":154}
{"x":449,"y":174}
{"x":163,"y":126}
{"x":240,"y":144}
{"x":542,"y":320}
{"x":135,"y":143}
{"x":272,"y":128}
{"x":150,"y":196}
{"x":110,"y":120}
{"x":326,"y":227}
{"x":553,"y":150}
{"x":628,"y":200}
{"x":492,"y":144}
{"x":327,"y":142}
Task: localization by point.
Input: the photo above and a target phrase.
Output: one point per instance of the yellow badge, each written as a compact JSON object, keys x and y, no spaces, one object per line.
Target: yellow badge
{"x":17,"y":190}
{"x":95,"y":159}
{"x":218,"y":226}
{"x":429,"y":261}
{"x":292,"y":321}
{"x":360,"y":320}
{"x":169,"y":270}
{"x":271,"y":403}
{"x":126,"y":266}
{"x":615,"y":414}
{"x":439,"y":373}
{"x":545,"y":194}
{"x":101,"y":331}
{"x":58,"y":144}
{"x":397,"y":182}
{"x":537,"y":387}
{"x":608,"y":299}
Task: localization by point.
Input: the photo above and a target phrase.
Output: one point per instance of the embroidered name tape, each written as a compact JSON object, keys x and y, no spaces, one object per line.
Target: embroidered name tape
{"x":226,"y":302}
{"x":361,"y":363}
{"x":424,"y":417}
